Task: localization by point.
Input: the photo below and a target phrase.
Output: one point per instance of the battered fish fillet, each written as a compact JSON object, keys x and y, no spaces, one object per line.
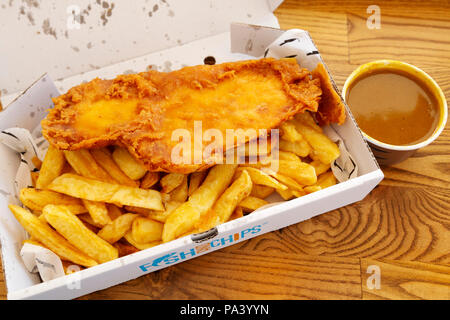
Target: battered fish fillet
{"x":142,"y":111}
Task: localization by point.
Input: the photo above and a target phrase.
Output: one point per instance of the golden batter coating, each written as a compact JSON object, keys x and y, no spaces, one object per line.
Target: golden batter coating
{"x":142,"y":111}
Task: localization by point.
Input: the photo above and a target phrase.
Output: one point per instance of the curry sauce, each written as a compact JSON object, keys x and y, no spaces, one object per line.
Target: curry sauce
{"x":393,"y":107}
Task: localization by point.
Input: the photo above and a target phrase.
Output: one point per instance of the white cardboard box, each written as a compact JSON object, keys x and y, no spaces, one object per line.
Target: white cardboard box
{"x":29,"y":109}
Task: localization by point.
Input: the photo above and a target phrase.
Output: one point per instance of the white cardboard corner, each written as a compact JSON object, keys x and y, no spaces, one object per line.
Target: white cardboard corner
{"x":274,"y":4}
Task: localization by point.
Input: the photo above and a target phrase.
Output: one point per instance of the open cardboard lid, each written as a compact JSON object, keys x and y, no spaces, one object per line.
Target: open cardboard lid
{"x":63,"y":39}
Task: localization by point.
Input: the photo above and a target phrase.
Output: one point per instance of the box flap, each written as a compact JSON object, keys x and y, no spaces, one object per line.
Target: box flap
{"x":64,"y":38}
{"x":252,"y":39}
{"x":192,"y":53}
{"x":274,"y":4}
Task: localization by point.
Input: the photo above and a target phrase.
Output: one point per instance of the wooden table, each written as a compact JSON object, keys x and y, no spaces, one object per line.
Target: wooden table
{"x":401,"y":229}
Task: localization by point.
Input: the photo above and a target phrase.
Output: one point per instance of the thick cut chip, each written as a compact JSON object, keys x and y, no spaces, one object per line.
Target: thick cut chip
{"x":85,"y":165}
{"x":133,"y":169}
{"x":181,"y":220}
{"x":34,"y":176}
{"x":139,"y":245}
{"x":117,"y":229}
{"x":290,"y":194}
{"x":71,"y":228}
{"x":37,"y":199}
{"x":326,"y":180}
{"x":180,"y":193}
{"x":86,"y":218}
{"x":94,"y":190}
{"x":125,"y":248}
{"x":323,"y":148}
{"x":262,"y":178}
{"x":286,"y":194}
{"x":184,"y":218}
{"x":51,"y":167}
{"x":149,"y":180}
{"x":113,"y":211}
{"x":228,"y":201}
{"x":320,"y":167}
{"x":195,"y":180}
{"x":171,"y":181}
{"x":250,"y":204}
{"x":160,"y":216}
{"x":301,"y":148}
{"x":238,"y":213}
{"x":291,"y":183}
{"x":289,"y":132}
{"x":43,"y":233}
{"x":146,"y":230}
{"x":218,"y":178}
{"x":301,"y":172}
{"x":98,"y":212}
{"x":313,"y":188}
{"x":287,"y":155}
{"x":104,"y":158}
{"x":37,"y":162}
{"x":260,"y":191}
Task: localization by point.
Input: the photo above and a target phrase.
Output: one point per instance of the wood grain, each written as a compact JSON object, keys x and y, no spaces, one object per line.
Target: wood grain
{"x":399,"y":38}
{"x":407,"y":224}
{"x":406,"y":281}
{"x":402,"y":226}
{"x":234,"y":274}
